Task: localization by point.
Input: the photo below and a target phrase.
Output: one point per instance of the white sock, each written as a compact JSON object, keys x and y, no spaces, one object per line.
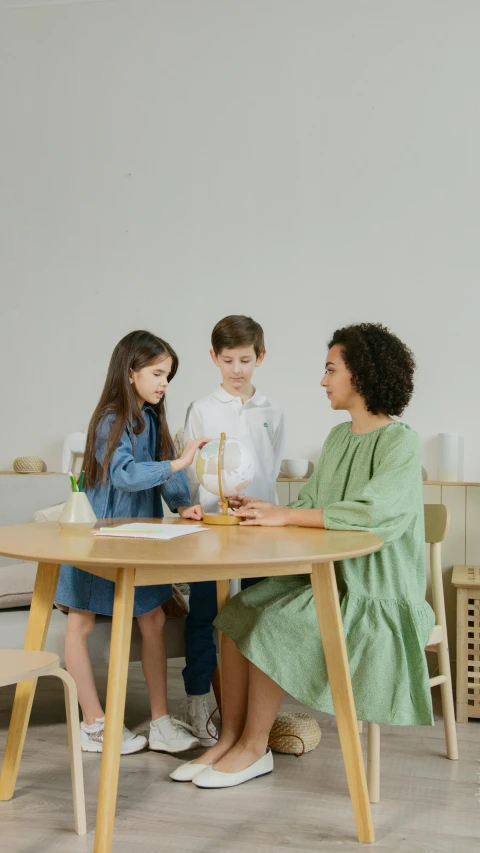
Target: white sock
{"x":92,"y":727}
{"x":160,"y":719}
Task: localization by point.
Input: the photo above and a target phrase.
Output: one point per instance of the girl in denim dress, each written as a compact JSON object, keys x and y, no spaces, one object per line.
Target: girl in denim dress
{"x":130,"y":465}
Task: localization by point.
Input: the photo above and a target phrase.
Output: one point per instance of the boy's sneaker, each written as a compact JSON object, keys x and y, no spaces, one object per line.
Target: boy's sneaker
{"x":197,"y":715}
{"x":167,"y":734}
{"x":91,"y":738}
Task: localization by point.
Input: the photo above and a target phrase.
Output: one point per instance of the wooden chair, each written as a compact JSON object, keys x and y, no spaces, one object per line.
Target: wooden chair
{"x":437,"y":519}
{"x":16,"y":666}
{"x":73,"y":451}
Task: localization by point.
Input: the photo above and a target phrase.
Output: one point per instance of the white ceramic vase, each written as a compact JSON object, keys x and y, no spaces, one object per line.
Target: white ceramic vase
{"x":450,"y":457}
{"x":295,"y":467}
{"x":77,"y":512}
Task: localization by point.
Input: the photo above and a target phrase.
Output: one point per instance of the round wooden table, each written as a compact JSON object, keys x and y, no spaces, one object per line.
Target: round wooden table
{"x":220,"y":554}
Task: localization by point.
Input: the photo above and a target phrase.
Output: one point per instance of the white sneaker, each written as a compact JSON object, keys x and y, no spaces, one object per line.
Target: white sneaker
{"x":167,"y":734}
{"x":196,"y":713}
{"x":91,"y":738}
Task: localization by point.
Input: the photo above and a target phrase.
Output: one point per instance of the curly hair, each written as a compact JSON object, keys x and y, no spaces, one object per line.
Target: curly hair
{"x":382,"y":367}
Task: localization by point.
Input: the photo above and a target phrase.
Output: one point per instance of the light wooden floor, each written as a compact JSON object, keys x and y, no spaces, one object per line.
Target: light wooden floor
{"x":429,"y":804}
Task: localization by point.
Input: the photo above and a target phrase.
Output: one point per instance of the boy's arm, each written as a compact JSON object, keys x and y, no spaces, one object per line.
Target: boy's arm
{"x":193,"y":429}
{"x":279,"y":444}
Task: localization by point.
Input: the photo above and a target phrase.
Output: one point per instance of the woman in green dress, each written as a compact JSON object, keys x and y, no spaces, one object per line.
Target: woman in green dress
{"x":368,"y":478}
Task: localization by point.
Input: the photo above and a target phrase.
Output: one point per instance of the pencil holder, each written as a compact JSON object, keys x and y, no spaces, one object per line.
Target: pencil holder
{"x":77,"y":512}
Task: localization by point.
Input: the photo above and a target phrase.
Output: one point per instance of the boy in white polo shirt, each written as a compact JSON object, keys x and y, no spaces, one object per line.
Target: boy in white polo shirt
{"x":239,"y":410}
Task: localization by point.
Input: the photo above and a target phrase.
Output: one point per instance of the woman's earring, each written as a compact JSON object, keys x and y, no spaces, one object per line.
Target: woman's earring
{"x":131,"y":381}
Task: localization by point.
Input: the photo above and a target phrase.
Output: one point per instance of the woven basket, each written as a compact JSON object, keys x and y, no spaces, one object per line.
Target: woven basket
{"x":29,"y":465}
{"x":294,"y":733}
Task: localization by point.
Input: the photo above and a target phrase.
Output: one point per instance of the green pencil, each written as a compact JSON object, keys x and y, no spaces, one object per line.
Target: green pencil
{"x":80,"y":482}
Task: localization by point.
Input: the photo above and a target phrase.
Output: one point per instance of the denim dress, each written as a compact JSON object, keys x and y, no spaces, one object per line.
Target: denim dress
{"x":135,"y":487}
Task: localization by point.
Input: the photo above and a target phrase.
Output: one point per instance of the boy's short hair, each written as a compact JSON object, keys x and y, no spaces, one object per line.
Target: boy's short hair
{"x":236,"y":330}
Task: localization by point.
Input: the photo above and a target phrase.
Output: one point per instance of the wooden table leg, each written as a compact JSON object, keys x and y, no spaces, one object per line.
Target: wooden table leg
{"x":223,"y":595}
{"x":331,"y":628}
{"x":115,"y":708}
{"x":38,"y":621}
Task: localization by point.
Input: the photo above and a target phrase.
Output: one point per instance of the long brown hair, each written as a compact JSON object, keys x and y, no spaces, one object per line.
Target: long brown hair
{"x":134,"y":351}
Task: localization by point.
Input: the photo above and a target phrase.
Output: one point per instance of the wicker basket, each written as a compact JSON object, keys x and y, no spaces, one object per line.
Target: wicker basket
{"x":29,"y":465}
{"x":294,"y":733}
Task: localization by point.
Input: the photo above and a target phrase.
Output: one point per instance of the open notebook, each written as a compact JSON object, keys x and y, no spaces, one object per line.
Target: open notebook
{"x":137,"y":530}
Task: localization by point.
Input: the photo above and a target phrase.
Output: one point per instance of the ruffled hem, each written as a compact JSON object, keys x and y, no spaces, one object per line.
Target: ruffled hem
{"x":274,"y":625}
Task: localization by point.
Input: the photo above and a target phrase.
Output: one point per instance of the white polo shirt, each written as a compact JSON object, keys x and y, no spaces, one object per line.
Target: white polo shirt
{"x":258,"y":423}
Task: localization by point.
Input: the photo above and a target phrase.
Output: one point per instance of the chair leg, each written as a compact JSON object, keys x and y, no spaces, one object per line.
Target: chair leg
{"x":442,"y":651}
{"x":373,"y":762}
{"x":447,"y":701}
{"x":73,"y":727}
{"x":38,"y":621}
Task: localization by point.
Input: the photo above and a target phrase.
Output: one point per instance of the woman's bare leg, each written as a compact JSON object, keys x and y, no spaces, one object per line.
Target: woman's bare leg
{"x":264,"y":700}
{"x":217,"y":688}
{"x":235,"y":697}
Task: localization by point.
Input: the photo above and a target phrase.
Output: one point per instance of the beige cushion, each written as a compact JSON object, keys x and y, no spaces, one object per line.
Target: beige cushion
{"x":51,"y":513}
{"x":20,"y":496}
{"x":16,"y":584}
{"x":13,"y":624}
{"x":17,"y":578}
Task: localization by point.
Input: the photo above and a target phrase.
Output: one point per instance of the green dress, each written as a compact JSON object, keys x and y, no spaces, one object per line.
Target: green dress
{"x":368,"y":482}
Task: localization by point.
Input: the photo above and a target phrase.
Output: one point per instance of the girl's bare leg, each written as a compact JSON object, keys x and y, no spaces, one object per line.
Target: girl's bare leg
{"x":80,"y":624}
{"x":154,"y":659}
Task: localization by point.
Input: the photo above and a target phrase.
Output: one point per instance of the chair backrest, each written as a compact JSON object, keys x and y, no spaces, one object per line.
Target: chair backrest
{"x":437,"y":519}
{"x":73,"y":447}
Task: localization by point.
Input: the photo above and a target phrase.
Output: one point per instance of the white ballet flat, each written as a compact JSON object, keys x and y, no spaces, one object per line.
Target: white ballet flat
{"x":210,"y":778}
{"x":187,"y":772}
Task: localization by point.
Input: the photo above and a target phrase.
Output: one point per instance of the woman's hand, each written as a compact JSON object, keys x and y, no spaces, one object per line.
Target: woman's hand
{"x":244,"y":501}
{"x":195,"y":512}
{"x":189,"y":451}
{"x":263,"y":514}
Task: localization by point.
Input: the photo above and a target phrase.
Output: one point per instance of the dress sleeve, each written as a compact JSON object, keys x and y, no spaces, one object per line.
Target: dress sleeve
{"x":125,"y":473}
{"x":387,"y":503}
{"x":193,"y":429}
{"x":175,"y":491}
{"x":307,"y":494}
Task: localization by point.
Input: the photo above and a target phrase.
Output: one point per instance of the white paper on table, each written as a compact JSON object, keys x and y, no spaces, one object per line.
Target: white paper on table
{"x":137,"y":530}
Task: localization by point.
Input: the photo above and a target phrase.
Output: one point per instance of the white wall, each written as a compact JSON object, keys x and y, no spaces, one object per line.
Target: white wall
{"x":309,"y":162}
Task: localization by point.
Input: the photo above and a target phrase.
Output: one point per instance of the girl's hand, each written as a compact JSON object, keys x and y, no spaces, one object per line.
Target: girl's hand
{"x":263,"y":514}
{"x":189,"y":451}
{"x":195,"y":512}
